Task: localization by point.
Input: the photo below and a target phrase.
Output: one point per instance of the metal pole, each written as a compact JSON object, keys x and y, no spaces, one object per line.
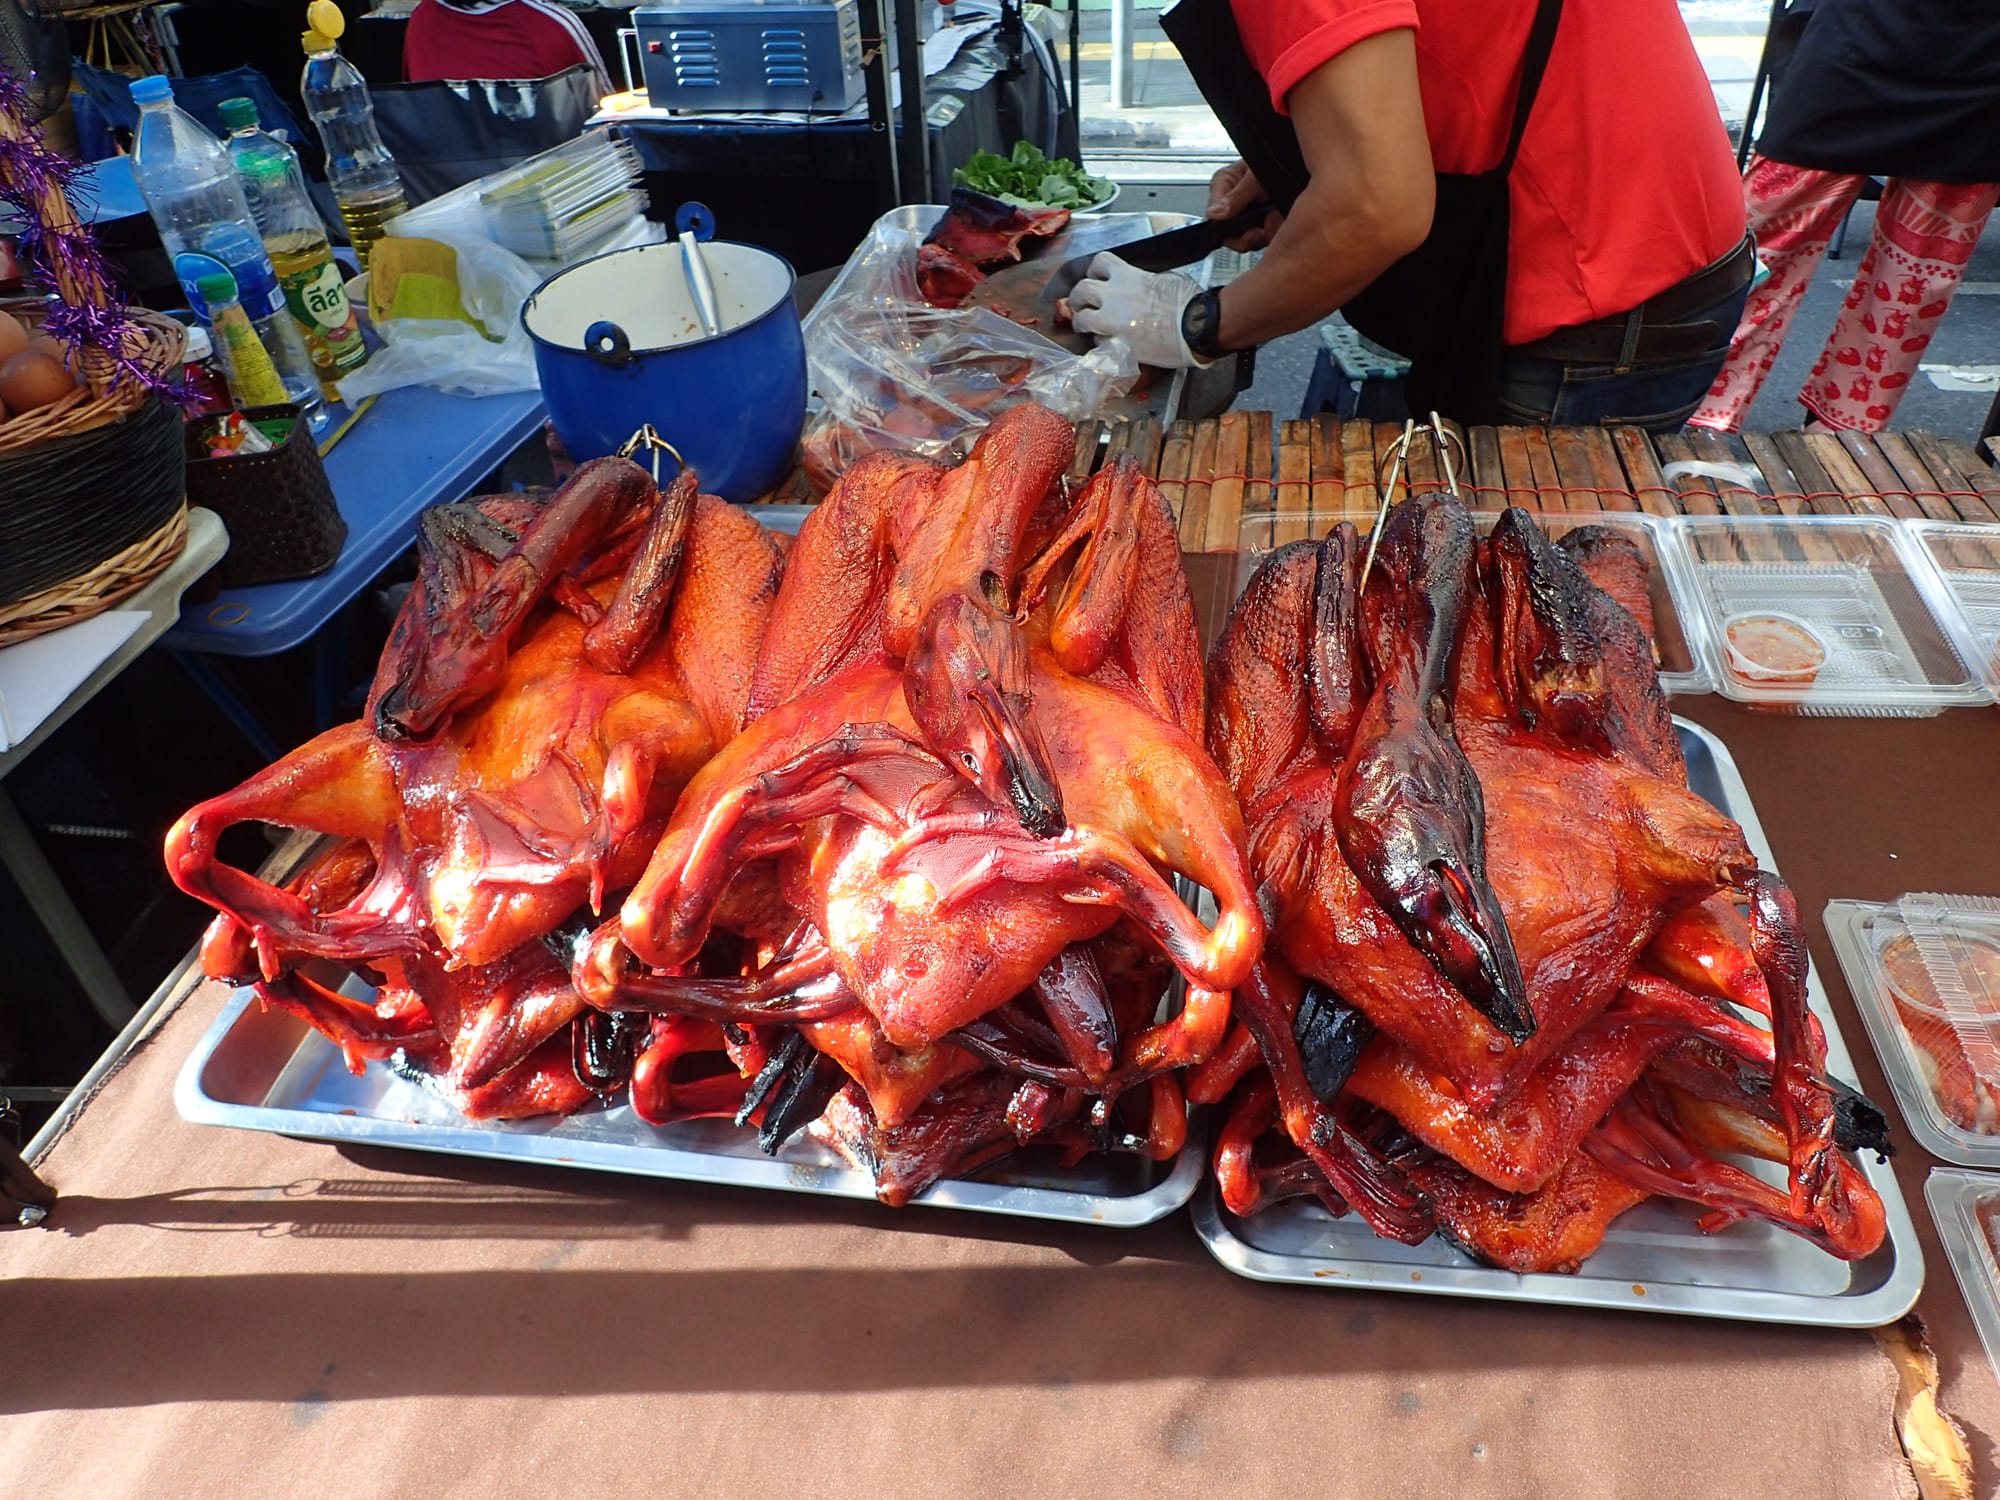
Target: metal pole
{"x":1757,"y":86}
{"x":913,"y":145}
{"x":1075,"y":64}
{"x":875,"y":42}
{"x":1121,"y":54}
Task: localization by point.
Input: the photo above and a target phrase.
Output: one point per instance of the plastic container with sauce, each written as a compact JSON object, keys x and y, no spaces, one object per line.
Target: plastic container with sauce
{"x":1769,"y":649}
{"x":1925,"y":975}
{"x":1828,"y":615}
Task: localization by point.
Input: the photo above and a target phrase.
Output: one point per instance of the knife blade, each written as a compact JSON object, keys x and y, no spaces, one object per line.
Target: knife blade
{"x":1176,"y":247}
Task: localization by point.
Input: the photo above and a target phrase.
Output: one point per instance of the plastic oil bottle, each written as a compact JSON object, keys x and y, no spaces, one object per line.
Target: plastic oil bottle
{"x":191,"y":189}
{"x":296,"y":241}
{"x":358,"y":166}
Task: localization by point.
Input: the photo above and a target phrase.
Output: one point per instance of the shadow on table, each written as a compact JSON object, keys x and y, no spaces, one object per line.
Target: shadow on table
{"x":399,"y":1195}
{"x":342,"y":1336}
{"x":946,"y":1300}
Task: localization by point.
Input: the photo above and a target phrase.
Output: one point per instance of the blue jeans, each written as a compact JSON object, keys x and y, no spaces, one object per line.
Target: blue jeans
{"x":1658,"y":396}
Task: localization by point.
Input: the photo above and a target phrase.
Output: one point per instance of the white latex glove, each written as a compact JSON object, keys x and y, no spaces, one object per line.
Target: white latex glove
{"x":1118,"y":301}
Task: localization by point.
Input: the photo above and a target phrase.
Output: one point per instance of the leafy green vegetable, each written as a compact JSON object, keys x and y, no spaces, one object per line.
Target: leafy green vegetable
{"x":1029,"y":179}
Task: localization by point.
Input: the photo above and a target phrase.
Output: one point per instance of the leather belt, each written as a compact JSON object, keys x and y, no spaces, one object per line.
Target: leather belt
{"x":1654,"y":330}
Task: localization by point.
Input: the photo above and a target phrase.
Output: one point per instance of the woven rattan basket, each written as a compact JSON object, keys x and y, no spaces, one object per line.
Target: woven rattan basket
{"x":94,"y":484}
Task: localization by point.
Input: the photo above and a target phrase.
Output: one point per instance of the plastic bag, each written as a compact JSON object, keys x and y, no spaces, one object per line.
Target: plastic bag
{"x":892,"y":371}
{"x":456,"y":357}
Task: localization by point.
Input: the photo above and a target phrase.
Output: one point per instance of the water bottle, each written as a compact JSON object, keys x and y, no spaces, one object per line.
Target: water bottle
{"x":191,"y":189}
{"x":295,"y":239}
{"x":359,"y":167}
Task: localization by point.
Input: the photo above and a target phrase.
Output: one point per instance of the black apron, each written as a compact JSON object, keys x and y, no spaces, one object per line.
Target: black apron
{"x":1910,"y":89}
{"x":1444,"y":305}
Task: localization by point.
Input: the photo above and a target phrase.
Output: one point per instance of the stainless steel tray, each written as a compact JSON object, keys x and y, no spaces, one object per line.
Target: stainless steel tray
{"x":1653,"y":1259}
{"x":263,"y":1070}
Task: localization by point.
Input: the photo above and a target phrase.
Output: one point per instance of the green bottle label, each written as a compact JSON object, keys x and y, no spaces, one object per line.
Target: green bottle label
{"x":319,"y":306}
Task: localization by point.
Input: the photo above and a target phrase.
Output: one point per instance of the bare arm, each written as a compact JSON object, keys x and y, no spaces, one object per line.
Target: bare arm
{"x":1360,"y":122}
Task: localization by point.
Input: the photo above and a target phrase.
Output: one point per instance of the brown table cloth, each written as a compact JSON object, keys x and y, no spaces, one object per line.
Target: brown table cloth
{"x":217,"y":1312}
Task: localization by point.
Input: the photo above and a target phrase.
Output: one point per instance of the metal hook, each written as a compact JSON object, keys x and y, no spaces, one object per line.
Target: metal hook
{"x":1442,"y":437}
{"x":1397,"y":457}
{"x":1397,"y":453}
{"x":648,"y":437}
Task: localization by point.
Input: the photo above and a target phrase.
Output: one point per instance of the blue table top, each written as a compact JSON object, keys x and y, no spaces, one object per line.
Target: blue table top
{"x":414,"y":448}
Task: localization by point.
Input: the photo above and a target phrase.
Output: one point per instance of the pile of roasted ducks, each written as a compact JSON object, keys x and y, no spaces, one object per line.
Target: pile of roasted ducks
{"x":1509,"y":993}
{"x":885,"y":849}
{"x":556,"y":675}
{"x":893,"y":839}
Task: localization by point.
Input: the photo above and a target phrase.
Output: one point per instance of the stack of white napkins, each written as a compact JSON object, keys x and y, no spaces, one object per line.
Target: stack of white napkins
{"x":38,"y":675}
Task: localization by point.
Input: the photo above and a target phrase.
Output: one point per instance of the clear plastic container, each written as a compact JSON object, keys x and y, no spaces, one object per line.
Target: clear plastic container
{"x":1925,"y":975}
{"x":1894,"y":640}
{"x":1683,"y":667}
{"x":197,"y":202}
{"x":1968,"y":559}
{"x":1966,"y":1208}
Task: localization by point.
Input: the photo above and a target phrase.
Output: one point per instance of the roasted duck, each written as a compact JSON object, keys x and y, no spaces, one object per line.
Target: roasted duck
{"x":976,"y":233}
{"x":557,"y":674}
{"x":943,"y":845}
{"x":1507,"y":970}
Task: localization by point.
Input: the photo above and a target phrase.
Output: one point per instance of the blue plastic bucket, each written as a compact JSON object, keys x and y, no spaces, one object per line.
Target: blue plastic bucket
{"x":618,"y":344}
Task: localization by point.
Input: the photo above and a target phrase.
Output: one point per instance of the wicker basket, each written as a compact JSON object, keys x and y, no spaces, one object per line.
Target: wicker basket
{"x":95,"y":403}
{"x":278,"y":506}
{"x":94,"y":484}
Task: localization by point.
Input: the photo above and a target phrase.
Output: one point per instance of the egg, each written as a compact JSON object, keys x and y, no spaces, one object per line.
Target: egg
{"x":13,"y":336}
{"x":31,"y":379}
{"x":63,"y":354}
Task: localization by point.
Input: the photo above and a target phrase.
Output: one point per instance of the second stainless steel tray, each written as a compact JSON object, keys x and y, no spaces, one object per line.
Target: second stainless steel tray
{"x":264,"y":1070}
{"x":1653,"y":1259}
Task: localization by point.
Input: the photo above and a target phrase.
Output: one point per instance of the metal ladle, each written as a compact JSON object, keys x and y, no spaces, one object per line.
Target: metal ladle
{"x":695,"y":223}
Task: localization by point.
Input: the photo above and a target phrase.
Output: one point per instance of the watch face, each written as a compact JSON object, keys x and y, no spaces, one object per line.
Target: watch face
{"x":1198,"y":324}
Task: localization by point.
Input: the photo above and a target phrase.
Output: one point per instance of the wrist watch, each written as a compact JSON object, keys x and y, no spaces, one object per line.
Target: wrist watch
{"x":1201,"y":325}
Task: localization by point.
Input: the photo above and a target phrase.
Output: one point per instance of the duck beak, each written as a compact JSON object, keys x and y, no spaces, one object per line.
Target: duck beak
{"x":1014,"y":764}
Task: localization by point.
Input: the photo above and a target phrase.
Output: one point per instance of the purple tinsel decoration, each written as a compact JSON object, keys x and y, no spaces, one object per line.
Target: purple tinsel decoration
{"x":28,"y":168}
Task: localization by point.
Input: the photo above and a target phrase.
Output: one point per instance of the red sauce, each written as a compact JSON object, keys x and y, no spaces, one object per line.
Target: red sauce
{"x":1767,"y":648}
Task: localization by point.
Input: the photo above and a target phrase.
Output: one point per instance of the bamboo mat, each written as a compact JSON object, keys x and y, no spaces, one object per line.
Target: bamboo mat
{"x":1248,"y":478}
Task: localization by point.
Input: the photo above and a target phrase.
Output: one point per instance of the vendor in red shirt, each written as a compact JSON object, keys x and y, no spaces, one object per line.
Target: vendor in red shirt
{"x":1535,"y":201}
{"x":454,"y":39}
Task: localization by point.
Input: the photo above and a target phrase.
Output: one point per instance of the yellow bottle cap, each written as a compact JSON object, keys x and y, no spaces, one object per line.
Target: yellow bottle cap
{"x":312,"y":41}
{"x":324,"y":17}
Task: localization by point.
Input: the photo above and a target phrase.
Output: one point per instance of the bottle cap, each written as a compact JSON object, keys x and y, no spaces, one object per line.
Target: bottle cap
{"x":314,"y":41}
{"x":324,"y":17}
{"x":238,"y":114}
{"x":216,"y":286}
{"x":152,"y":88}
{"x":199,"y":347}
